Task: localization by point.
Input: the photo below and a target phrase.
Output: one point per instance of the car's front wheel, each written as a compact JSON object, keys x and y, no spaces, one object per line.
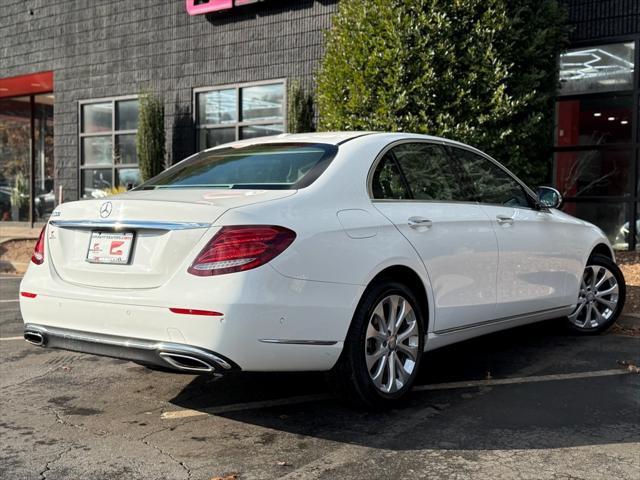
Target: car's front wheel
{"x":383,"y":348}
{"x":601,"y":296}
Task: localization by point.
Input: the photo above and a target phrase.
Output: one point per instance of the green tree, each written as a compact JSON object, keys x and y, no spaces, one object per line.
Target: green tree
{"x":479,"y":71}
{"x":299,"y":109}
{"x":150,"y":139}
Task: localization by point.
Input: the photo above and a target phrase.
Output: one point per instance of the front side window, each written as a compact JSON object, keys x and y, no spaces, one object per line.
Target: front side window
{"x":108,"y":146}
{"x":491,"y":184}
{"x":232,"y":113}
{"x":268,"y":166}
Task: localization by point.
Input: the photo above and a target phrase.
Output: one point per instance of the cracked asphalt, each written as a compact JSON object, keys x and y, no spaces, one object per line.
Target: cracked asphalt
{"x":65,"y":415}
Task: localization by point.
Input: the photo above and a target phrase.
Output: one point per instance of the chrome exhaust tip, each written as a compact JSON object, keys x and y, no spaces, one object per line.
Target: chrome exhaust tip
{"x":34,"y":338}
{"x":186,"y":363}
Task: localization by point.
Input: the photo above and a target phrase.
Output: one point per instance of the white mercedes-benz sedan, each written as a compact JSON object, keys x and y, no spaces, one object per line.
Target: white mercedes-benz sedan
{"x":352,"y":253}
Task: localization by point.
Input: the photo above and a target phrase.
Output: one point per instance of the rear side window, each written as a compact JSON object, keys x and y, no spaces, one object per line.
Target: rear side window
{"x":277,"y":166}
{"x":387,"y":182}
{"x":492,"y":185}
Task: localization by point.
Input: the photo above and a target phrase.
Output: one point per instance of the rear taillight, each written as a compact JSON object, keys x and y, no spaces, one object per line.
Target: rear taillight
{"x":239,"y":248}
{"x":38,"y":250}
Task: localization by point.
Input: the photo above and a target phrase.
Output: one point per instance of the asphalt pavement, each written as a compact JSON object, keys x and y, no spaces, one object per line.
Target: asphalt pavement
{"x":532,"y":403}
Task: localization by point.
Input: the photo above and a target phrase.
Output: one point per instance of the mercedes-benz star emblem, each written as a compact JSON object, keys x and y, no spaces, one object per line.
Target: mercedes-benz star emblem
{"x":105,"y":209}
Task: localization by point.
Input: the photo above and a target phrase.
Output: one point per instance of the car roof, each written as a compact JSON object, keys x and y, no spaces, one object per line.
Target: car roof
{"x":332,"y":138}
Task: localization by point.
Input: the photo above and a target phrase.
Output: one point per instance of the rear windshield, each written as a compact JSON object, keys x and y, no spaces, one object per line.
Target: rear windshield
{"x":281,"y":166}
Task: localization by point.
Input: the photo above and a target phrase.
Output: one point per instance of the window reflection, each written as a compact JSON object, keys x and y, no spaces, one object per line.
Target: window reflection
{"x":263,"y":102}
{"x":594,"y":173}
{"x":597,"y":68}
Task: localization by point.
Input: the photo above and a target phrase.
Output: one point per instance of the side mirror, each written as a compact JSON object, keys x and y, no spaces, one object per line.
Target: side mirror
{"x":549,"y":197}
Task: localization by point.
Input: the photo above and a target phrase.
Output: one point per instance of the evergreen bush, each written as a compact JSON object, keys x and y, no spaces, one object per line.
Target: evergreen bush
{"x":151,"y":137}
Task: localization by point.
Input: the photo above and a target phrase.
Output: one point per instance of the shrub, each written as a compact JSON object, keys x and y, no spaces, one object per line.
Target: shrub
{"x":150,"y":139}
{"x":300,"y":110}
{"x":478,"y":71}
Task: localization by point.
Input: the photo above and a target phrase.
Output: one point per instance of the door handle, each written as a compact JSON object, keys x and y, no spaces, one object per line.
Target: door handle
{"x":504,"y":220}
{"x":420,"y":222}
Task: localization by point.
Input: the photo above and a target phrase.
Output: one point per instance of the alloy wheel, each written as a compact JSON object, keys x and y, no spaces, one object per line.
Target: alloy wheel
{"x":598,"y":298}
{"x":392,"y":342}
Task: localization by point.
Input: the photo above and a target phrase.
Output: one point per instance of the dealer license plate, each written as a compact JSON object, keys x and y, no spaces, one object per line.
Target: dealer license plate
{"x":110,"y":247}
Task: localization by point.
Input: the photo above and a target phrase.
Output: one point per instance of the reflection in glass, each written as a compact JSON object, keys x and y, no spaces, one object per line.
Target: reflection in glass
{"x":623,"y":235}
{"x":15,"y":139}
{"x":594,"y":121}
{"x":211,"y":137}
{"x":97,"y":117}
{"x":597,"y":69}
{"x":594,"y":173}
{"x":263,"y":102}
{"x":610,"y":217}
{"x":45,"y":197}
{"x":96,"y":182}
{"x":96,"y":151}
{"x":126,"y":149}
{"x":261,"y":130}
{"x":218,"y":106}
{"x":128,"y":177}
{"x":127,"y":115}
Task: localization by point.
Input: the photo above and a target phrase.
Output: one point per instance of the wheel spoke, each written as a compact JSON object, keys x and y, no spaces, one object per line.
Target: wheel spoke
{"x":594,"y":278}
{"x":587,"y":318}
{"x":402,"y":373}
{"x":607,"y":275}
{"x":391,"y":366}
{"x":598,"y":316}
{"x":411,"y":352}
{"x":405,"y":310}
{"x":609,"y":303}
{"x":608,"y":291}
{"x":409,"y":332}
{"x":379,"y":374}
{"x":373,"y":358}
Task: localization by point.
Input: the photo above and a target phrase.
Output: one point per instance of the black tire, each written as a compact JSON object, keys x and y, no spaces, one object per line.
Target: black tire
{"x":611,"y":314}
{"x":350,"y":377}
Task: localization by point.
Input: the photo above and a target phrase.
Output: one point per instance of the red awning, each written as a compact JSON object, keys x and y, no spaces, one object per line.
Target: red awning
{"x":41,"y":82}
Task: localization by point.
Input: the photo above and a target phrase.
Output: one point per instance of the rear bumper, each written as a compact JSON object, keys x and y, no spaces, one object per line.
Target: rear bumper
{"x":177,"y":356}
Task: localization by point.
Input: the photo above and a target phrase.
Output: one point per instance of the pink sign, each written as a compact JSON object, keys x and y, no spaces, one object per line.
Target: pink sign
{"x":199,"y":7}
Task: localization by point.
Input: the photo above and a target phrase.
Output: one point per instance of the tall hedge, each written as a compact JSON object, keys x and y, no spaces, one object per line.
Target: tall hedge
{"x":479,"y":71}
{"x":151,"y":138}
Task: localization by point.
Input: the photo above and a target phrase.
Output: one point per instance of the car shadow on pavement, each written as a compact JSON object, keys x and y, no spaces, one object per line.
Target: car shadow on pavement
{"x":550,"y":414}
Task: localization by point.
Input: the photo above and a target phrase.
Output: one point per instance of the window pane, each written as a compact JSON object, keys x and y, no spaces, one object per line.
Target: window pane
{"x":126,"y":149}
{"x":387,"y":182}
{"x":274,"y":166}
{"x":45,"y":198}
{"x":491,"y":184}
{"x":96,"y":151}
{"x":594,"y":172}
{"x":428,"y":171}
{"x":263,"y":102}
{"x":610,"y":217}
{"x":594,"y":121}
{"x":128,"y":177}
{"x":218,"y":106}
{"x":15,"y":141}
{"x":127,"y":118}
{"x":261,"y":131}
{"x":96,"y":117}
{"x":95,"y":182}
{"x":622,"y":239}
{"x":597,"y":69}
{"x":212,"y":137}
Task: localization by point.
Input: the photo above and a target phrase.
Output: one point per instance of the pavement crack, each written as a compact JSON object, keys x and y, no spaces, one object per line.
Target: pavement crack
{"x":47,"y":466}
{"x":184,"y":466}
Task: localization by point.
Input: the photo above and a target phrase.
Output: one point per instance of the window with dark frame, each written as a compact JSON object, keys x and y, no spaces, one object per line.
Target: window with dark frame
{"x":107,"y":145}
{"x":597,"y":148}
{"x":230,"y":113}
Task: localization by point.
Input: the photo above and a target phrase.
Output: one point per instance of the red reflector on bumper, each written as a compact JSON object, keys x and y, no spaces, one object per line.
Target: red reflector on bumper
{"x":191,"y":311}
{"x":28,"y":294}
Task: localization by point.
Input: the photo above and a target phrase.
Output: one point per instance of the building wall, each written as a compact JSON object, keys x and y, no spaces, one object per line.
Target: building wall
{"x":115,"y":47}
{"x":597,"y":19}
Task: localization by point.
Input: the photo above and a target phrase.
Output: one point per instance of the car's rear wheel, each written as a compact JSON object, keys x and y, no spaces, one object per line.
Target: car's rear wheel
{"x":601,"y":296}
{"x":383,"y":348}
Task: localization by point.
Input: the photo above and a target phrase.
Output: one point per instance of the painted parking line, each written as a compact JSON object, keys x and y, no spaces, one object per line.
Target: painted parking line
{"x":9,"y":301}
{"x":178,"y":414}
{"x":6,"y":339}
